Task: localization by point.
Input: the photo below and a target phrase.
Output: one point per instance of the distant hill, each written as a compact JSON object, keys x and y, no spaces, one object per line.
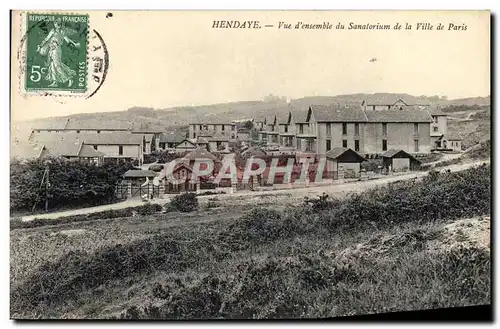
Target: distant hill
{"x":179,"y":117}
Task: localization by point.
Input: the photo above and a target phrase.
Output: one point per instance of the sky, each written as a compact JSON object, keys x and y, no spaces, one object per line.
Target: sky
{"x":164,"y":59}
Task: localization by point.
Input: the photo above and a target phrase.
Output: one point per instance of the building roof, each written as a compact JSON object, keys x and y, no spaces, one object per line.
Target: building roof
{"x":211,"y":120}
{"x":139,"y":173}
{"x":25,"y":150}
{"x":271,"y":120}
{"x":171,"y":137}
{"x":284,"y":119}
{"x":88,"y":151}
{"x":398,"y":116}
{"x":436,"y":111}
{"x":340,"y":151}
{"x":108,"y":138}
{"x":254,"y":152}
{"x":97,"y":124}
{"x":201,"y":140}
{"x":398,"y":152}
{"x":200,"y":153}
{"x":69,"y":148}
{"x":338,"y":113}
{"x":52,"y":124}
{"x":386,"y":101}
{"x":191,"y":142}
{"x":453,"y":137}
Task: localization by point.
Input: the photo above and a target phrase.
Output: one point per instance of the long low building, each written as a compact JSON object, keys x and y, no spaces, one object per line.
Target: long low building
{"x":367,"y":130}
{"x":113,"y":145}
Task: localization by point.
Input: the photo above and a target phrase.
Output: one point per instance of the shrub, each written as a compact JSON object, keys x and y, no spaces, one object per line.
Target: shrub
{"x":321,"y":203}
{"x":260,"y":224}
{"x":186,"y":202}
{"x":73,"y":184}
{"x":437,"y":196}
{"x":372,"y":164}
{"x":148,"y":209}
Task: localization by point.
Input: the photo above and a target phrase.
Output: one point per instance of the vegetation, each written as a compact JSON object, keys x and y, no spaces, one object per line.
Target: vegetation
{"x":464,"y":108}
{"x":368,"y":253}
{"x":185,"y":202}
{"x":72,"y":184}
{"x":161,"y":156}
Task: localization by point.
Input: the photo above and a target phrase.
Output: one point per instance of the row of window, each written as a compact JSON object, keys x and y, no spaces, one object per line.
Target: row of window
{"x":344,"y":144}
{"x":356,"y":145}
{"x":120,"y":149}
{"x":223,"y":127}
{"x":232,"y":135}
{"x":356,"y":129}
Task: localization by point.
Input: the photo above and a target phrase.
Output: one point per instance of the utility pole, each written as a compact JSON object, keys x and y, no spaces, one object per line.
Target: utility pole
{"x":47,"y":185}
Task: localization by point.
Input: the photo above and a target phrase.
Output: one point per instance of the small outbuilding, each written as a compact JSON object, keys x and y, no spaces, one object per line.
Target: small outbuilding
{"x":454,"y":142}
{"x":399,"y":160}
{"x":140,"y":182}
{"x":343,"y":162}
{"x":139,"y":175}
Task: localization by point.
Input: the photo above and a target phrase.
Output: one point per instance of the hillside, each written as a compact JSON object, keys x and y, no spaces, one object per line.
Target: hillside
{"x":174,"y":118}
{"x":324,"y":257}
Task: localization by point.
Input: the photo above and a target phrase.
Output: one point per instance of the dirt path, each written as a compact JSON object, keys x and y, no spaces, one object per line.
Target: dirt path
{"x":291,"y":196}
{"x":285,"y":196}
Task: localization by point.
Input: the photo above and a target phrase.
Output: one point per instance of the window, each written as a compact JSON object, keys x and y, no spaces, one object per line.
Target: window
{"x":416,"y":145}
{"x":435,"y":128}
{"x":95,"y":147}
{"x":384,"y":129}
{"x":201,"y":127}
{"x":328,"y":145}
{"x":344,"y":143}
{"x":223,"y":127}
{"x":328,"y":128}
{"x":78,"y":131}
{"x":344,"y":129}
{"x":434,"y":118}
{"x":356,"y":145}
{"x":286,"y":128}
{"x":194,"y":135}
{"x":120,"y":150}
{"x":98,"y":131}
{"x":384,"y":145}
{"x":309,"y":145}
{"x":356,"y":129}
{"x":301,"y":129}
{"x":374,"y":107}
{"x":415,"y":128}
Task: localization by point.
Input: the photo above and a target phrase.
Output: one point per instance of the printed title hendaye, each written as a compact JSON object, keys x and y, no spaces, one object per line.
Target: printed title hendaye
{"x":297,"y":25}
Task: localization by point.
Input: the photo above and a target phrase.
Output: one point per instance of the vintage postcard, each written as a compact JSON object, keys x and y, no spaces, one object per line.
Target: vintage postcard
{"x":250,"y":164}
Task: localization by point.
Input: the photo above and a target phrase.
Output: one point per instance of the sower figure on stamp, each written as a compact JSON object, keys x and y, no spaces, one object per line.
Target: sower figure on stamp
{"x":51,"y":46}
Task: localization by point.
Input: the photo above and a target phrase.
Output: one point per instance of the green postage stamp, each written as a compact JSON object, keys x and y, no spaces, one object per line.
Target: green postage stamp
{"x":55,"y":53}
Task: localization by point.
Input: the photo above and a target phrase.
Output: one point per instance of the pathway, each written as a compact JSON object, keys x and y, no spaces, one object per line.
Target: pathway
{"x":334,"y":189}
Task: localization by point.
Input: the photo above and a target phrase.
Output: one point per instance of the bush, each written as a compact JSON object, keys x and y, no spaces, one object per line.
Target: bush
{"x":72,"y":184}
{"x":437,"y":196}
{"x":186,"y":202}
{"x":371,"y":164}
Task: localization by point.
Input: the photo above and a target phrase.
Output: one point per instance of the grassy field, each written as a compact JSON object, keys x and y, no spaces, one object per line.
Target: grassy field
{"x":409,"y":245}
